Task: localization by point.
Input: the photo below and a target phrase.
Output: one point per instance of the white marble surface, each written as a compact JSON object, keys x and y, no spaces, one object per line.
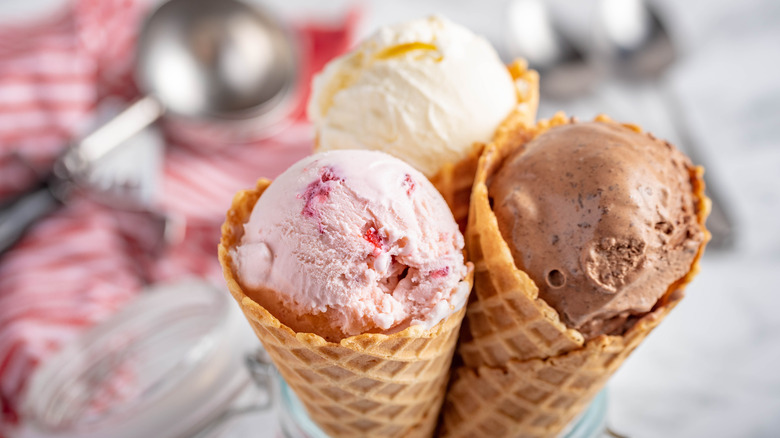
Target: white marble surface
{"x":712,"y":369}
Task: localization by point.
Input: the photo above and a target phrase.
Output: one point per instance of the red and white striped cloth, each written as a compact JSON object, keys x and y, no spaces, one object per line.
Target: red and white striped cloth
{"x":83,"y":263}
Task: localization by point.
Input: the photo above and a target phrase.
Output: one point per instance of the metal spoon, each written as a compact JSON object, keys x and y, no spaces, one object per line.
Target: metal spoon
{"x":201,"y":59}
{"x":633,"y":38}
{"x":533,"y":35}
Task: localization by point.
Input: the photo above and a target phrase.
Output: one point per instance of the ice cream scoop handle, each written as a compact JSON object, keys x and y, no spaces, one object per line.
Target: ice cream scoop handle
{"x":124,"y":125}
{"x":17,"y":215}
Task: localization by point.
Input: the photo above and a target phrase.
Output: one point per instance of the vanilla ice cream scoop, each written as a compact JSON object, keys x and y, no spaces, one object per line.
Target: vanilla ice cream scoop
{"x":424,"y":91}
{"x":351,"y":242}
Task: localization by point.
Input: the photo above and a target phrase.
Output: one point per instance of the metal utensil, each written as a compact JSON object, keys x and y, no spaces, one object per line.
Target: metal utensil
{"x":632,"y":37}
{"x":532,"y":34}
{"x":636,"y":42}
{"x":201,"y":59}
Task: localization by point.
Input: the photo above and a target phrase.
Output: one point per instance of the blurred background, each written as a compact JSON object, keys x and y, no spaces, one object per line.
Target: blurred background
{"x":146,"y":217}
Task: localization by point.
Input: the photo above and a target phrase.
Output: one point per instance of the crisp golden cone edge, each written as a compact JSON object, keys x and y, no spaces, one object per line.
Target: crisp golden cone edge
{"x":524,"y":373}
{"x":365,"y":385}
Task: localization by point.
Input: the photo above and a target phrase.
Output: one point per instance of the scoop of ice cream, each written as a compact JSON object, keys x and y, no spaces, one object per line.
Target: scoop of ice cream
{"x":601,"y":217}
{"x":423,"y":91}
{"x":349,"y":242}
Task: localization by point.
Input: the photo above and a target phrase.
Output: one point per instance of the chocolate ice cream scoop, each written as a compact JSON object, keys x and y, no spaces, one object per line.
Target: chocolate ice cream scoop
{"x":601,"y":217}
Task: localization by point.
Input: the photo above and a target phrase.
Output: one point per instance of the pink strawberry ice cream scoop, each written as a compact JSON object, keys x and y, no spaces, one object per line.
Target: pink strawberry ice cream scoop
{"x":349,"y":242}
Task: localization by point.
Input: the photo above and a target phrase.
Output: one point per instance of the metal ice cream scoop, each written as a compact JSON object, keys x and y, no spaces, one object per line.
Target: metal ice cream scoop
{"x":201,"y":59}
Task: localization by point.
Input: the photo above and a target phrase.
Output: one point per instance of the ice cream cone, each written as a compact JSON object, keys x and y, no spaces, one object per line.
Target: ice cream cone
{"x":454,"y":180}
{"x":524,"y":373}
{"x":366,"y":385}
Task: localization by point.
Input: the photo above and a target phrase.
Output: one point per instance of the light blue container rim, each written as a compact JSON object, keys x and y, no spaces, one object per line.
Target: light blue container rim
{"x":590,"y":424}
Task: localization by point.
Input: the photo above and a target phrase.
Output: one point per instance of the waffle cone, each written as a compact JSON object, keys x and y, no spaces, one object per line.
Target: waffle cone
{"x":524,"y":372}
{"x":366,"y":385}
{"x":454,"y":180}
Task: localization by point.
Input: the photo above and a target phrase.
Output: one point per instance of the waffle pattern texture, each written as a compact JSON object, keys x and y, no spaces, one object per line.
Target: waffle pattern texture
{"x":366,"y":385}
{"x":523,"y":372}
